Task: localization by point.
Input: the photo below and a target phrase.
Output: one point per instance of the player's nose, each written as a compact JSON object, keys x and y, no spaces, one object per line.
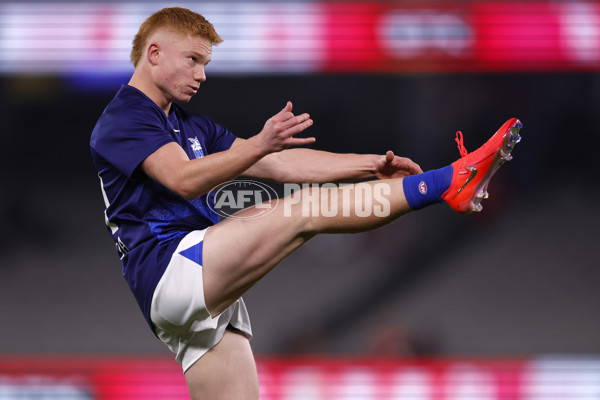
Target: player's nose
{"x":199,"y":74}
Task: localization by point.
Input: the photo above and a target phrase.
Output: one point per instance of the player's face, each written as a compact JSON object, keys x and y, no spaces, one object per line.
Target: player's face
{"x":181,"y":70}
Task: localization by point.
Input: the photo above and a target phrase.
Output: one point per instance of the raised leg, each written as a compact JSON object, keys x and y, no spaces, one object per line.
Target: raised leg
{"x":237,"y":252}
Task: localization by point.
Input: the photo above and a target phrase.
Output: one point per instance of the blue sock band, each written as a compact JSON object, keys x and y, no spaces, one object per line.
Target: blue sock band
{"x":427,"y":188}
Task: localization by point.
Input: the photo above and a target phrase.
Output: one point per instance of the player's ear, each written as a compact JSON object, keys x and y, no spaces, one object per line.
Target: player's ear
{"x":153,"y":52}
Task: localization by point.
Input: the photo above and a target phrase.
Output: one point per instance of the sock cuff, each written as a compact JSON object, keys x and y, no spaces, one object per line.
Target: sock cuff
{"x":427,"y":188}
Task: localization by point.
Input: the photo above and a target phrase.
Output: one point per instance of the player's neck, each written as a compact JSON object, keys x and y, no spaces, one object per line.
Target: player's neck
{"x":149,"y":89}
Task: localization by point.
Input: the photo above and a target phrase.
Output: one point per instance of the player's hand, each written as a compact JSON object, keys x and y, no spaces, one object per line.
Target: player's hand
{"x":392,"y":166}
{"x":279,"y":130}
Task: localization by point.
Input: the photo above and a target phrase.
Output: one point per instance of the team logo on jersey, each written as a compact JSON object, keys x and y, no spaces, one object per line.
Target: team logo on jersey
{"x":423,"y":188}
{"x":196,"y":147}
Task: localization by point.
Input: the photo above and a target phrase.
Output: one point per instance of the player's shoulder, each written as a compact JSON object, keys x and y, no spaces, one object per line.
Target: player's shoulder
{"x":127,"y":111}
{"x":129,"y":105}
{"x":197,"y":120}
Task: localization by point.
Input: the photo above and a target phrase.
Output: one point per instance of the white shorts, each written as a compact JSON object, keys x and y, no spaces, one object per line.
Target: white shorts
{"x":178,"y":311}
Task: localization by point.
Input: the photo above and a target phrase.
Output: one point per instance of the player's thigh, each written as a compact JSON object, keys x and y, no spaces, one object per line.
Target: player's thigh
{"x":238,"y":252}
{"x":225,"y":372}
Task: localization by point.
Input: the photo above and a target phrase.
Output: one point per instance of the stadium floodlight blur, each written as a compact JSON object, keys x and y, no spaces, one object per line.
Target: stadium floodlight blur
{"x":313,"y":37}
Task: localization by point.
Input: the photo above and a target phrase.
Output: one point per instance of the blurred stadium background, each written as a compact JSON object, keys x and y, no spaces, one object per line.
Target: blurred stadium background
{"x":501,"y":305}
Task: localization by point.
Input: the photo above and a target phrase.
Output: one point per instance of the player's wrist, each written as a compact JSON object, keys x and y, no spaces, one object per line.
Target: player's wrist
{"x":256,"y":147}
{"x":376,"y":163}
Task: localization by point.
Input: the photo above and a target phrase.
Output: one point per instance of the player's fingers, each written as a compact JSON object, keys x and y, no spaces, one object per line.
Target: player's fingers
{"x":287,"y":108}
{"x":301,"y":141}
{"x":414,"y":168}
{"x":291,"y":122}
{"x":409,"y":165}
{"x":283,"y":115}
{"x":294,"y":130}
{"x":389,"y":156}
{"x":287,"y":117}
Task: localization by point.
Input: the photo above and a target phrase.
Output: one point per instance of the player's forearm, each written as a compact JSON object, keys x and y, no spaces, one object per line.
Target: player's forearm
{"x":201,"y":175}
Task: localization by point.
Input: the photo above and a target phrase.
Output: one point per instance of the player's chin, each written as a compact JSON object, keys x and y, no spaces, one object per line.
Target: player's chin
{"x":185,"y":97}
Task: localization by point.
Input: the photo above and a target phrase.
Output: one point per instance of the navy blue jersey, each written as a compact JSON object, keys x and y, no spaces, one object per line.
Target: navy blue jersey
{"x":146,"y":219}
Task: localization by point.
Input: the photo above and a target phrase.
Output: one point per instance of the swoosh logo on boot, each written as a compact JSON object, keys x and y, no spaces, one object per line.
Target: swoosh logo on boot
{"x":469,"y":179}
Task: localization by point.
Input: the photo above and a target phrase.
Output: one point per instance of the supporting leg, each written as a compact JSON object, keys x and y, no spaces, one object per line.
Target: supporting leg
{"x":225,"y":372}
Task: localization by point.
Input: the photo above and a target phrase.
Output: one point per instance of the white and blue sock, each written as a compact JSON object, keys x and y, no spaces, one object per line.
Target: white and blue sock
{"x":427,"y":188}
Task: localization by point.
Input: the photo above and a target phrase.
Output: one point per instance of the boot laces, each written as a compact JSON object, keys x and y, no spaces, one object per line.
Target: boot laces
{"x":461,"y":146}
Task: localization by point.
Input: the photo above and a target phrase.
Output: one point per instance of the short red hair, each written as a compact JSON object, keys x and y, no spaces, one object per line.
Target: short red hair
{"x":178,"y":19}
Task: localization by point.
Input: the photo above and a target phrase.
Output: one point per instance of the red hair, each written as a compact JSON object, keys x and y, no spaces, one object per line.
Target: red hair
{"x":178,"y":19}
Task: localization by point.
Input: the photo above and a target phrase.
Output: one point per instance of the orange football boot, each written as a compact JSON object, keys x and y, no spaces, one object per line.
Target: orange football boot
{"x":472,"y":173}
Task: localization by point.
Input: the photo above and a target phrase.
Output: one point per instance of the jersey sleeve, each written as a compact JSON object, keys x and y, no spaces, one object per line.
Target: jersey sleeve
{"x":218,"y":137}
{"x":126,"y":136}
{"x":222,"y":140}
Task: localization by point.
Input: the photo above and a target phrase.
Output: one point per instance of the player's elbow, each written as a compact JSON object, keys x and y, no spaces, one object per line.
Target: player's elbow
{"x":190,"y":189}
{"x":185,"y":190}
{"x":189,"y":184}
{"x":188,"y":196}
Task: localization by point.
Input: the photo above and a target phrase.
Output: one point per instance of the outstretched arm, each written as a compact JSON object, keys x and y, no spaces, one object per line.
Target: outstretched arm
{"x":171,"y":167}
{"x":313,"y":166}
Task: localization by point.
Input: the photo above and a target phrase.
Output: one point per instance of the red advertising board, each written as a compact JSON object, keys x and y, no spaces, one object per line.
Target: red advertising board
{"x":315,"y":378}
{"x":462,"y":36}
{"x":318,"y":37}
